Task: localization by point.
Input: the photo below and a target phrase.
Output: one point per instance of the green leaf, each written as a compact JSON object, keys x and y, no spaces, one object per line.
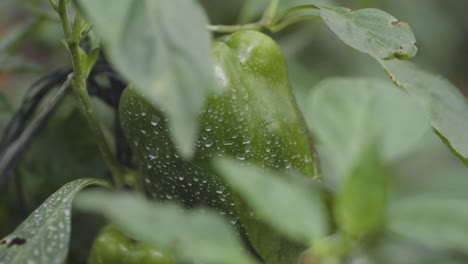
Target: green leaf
{"x":44,"y":236}
{"x":434,"y":221}
{"x":269,"y":243}
{"x":291,"y":207}
{"x":198,"y":235}
{"x":371,"y":31}
{"x":361,"y":202}
{"x":389,"y":249}
{"x":430,"y":170}
{"x":163,"y":48}
{"x":88,"y":60}
{"x":445,"y":104}
{"x":347,"y":114}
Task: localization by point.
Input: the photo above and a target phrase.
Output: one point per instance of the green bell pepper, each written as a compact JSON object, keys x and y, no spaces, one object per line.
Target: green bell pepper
{"x":251,"y":115}
{"x":113,"y":247}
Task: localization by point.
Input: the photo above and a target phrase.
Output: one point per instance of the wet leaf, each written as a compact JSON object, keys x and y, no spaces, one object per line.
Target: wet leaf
{"x":371,"y":31}
{"x":44,"y":236}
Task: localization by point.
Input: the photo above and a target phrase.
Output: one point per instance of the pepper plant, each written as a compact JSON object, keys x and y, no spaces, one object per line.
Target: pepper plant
{"x":213,"y":158}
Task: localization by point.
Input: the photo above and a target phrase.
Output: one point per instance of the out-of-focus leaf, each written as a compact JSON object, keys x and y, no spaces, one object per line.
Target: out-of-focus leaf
{"x":269,"y":243}
{"x":434,"y":221}
{"x":431,"y":170}
{"x":446,"y":106}
{"x":347,"y":114}
{"x":44,"y":236}
{"x":361,"y":202}
{"x":371,"y":31}
{"x":301,"y":78}
{"x":197,"y":235}
{"x":162,"y":47}
{"x":394,"y":249}
{"x":291,"y":207}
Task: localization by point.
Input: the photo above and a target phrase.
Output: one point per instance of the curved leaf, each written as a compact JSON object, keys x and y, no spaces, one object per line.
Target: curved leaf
{"x":361,"y":202}
{"x":435,"y":221}
{"x":445,"y":104}
{"x":348,"y":114}
{"x":371,"y":31}
{"x":198,"y":235}
{"x":43,"y":237}
{"x":291,"y":207}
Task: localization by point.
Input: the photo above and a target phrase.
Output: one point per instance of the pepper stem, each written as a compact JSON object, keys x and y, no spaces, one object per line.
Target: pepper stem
{"x":263,"y":23}
{"x":270,"y":12}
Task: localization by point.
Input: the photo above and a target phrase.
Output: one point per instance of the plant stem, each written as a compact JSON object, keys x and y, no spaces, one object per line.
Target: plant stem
{"x":73,"y":37}
{"x":263,"y":23}
{"x":292,"y":10}
{"x":271,"y":22}
{"x":286,"y":23}
{"x":235,"y":28}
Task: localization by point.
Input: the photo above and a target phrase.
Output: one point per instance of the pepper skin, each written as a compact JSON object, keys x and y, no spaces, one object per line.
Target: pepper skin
{"x":251,"y":115}
{"x":113,"y":247}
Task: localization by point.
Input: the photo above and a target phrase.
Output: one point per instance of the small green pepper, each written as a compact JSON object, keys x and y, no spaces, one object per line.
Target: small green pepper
{"x":113,"y":247}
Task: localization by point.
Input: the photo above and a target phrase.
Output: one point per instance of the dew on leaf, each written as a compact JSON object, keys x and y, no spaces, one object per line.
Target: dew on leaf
{"x":155,"y":120}
{"x":208,"y":143}
{"x":153,"y":156}
{"x":228,"y":142}
{"x":240,"y":156}
{"x":246,"y":141}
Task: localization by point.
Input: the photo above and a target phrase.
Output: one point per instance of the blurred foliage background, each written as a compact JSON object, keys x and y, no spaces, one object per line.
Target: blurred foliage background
{"x":65,"y":150}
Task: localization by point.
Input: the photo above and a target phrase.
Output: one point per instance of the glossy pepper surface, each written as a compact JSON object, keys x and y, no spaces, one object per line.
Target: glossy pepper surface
{"x":251,"y":115}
